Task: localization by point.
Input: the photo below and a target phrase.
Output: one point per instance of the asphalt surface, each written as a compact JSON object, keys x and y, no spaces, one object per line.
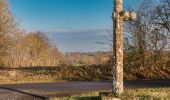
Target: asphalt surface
{"x":44,"y":90}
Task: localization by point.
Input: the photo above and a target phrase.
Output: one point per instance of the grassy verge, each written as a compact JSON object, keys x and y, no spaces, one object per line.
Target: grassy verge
{"x":75,"y":73}
{"x":30,"y":75}
{"x":130,"y":94}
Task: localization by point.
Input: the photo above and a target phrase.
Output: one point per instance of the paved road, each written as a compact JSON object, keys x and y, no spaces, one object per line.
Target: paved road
{"x":45,"y":90}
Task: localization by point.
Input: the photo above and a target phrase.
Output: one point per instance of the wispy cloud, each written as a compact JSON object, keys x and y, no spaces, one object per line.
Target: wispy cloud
{"x":98,"y":31}
{"x":78,"y":40}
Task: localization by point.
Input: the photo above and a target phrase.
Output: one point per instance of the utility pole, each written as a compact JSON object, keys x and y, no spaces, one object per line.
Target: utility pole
{"x":119,"y":16}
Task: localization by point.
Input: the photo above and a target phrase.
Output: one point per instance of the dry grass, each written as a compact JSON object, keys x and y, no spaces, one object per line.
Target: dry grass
{"x":147,"y":94}
{"x":147,"y":73}
{"x":29,"y":75}
{"x":76,"y":73}
{"x":54,"y":74}
{"x":132,"y":94}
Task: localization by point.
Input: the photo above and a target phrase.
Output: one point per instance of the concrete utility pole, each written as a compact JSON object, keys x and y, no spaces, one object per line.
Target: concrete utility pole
{"x":119,"y":16}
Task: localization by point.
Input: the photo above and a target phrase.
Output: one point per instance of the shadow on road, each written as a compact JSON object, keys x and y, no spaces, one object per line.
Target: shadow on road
{"x":25,"y":93}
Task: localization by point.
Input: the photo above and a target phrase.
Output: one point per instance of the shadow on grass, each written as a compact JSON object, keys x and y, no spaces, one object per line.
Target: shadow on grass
{"x":25,"y":93}
{"x":87,"y":98}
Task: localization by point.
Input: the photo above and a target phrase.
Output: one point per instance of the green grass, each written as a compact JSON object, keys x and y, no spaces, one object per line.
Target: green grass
{"x":147,"y":94}
{"x":130,"y":94}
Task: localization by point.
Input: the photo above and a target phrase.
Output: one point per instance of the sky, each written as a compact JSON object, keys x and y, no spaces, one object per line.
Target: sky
{"x":72,"y":25}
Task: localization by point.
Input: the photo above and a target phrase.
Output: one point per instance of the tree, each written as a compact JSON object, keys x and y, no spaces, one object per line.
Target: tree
{"x":162,"y":15}
{"x":7,"y":28}
{"x":34,"y":49}
{"x":147,"y":37}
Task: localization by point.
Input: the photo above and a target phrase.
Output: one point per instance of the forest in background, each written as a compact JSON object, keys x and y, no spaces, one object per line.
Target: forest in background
{"x":147,"y":46}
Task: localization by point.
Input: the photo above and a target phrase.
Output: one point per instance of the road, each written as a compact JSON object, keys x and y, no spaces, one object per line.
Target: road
{"x":45,"y":90}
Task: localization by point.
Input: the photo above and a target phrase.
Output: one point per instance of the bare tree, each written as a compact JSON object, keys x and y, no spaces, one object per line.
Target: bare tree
{"x":7,"y":28}
{"x":162,"y":14}
{"x":34,"y":49}
{"x":148,"y":40}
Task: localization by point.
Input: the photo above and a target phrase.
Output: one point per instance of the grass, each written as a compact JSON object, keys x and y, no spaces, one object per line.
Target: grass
{"x":86,"y":96}
{"x":53,"y":74}
{"x":130,"y":94}
{"x":30,"y":75}
{"x":75,"y":73}
{"x":147,"y":94}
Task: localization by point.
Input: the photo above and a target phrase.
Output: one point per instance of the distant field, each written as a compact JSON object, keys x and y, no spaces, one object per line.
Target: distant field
{"x":132,"y":94}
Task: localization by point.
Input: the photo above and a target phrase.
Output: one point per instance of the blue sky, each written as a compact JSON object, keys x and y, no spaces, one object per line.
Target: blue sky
{"x":73,"y":25}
